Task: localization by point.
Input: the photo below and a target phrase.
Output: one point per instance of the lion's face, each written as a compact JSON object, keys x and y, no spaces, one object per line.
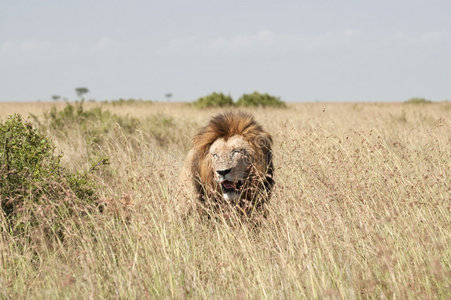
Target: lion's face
{"x":231,"y":161}
{"x":231,"y":164}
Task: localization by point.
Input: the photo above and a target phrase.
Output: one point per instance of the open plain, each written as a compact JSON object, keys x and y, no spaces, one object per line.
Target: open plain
{"x":361,"y":209}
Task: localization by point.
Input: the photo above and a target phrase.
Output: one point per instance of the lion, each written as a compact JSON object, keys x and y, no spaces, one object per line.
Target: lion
{"x":230,"y":164}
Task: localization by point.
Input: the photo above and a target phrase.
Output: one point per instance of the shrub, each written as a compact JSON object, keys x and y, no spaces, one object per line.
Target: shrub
{"x":130,"y":101}
{"x":34,"y":188}
{"x":257,"y":99}
{"x":93,"y":123}
{"x":417,"y":100}
{"x":214,"y":100}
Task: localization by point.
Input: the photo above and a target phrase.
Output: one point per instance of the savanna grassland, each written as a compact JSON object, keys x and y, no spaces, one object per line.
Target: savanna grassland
{"x":361,"y":208}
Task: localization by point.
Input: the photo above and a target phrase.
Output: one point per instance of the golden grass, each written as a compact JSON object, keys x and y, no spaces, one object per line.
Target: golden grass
{"x":361,"y":209}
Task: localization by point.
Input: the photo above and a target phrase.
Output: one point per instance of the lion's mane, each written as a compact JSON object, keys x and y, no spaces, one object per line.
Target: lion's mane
{"x":260,"y":180}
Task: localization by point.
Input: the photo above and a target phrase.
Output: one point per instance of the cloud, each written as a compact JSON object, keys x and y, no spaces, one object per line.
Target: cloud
{"x":105,"y":44}
{"x":24,"y":46}
{"x":27,"y":51}
{"x":261,"y":42}
{"x":243,"y":43}
{"x":423,"y":38}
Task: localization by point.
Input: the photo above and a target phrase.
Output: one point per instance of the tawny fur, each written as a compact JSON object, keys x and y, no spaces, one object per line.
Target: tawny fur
{"x":198,"y":176}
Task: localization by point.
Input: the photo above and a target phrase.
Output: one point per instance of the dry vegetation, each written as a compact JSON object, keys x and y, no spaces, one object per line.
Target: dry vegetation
{"x":361,"y":209}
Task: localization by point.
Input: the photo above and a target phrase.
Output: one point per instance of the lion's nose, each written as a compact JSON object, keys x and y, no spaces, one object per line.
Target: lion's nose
{"x":223,"y":172}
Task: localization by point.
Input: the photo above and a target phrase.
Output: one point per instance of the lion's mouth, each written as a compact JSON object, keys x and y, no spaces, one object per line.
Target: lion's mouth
{"x":230,"y":186}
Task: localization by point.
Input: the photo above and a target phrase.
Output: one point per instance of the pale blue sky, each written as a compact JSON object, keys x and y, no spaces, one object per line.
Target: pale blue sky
{"x":299,"y":50}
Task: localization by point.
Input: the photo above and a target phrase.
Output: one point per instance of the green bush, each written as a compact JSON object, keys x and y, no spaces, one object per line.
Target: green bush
{"x":417,"y":100}
{"x":130,"y":101}
{"x":98,"y":127}
{"x":93,"y":123}
{"x":214,"y":100}
{"x":257,"y":99}
{"x":34,"y":188}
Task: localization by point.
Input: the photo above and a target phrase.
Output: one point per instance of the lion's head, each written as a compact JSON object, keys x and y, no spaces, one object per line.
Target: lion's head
{"x":232,"y":161}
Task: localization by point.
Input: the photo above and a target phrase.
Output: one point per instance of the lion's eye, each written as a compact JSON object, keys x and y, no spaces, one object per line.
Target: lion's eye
{"x":215,"y":156}
{"x":236,"y":151}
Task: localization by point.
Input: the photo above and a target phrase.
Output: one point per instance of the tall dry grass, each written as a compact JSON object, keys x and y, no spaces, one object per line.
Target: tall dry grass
{"x":361,"y":209}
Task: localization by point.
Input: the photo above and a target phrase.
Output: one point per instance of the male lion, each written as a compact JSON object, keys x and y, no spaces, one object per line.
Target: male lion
{"x":230,"y":164}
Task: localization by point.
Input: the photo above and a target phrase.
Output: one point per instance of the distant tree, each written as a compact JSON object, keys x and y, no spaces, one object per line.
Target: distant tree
{"x":81,"y":91}
{"x":168,"y":96}
{"x":262,"y":100}
{"x":56,"y":97}
{"x":214,"y":100}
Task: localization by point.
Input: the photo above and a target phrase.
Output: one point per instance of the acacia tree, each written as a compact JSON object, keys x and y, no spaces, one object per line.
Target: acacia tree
{"x":81,"y":91}
{"x":168,"y":96}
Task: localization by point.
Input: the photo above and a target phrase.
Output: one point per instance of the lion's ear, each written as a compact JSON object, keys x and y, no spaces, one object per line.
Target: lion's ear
{"x":264,"y":142}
